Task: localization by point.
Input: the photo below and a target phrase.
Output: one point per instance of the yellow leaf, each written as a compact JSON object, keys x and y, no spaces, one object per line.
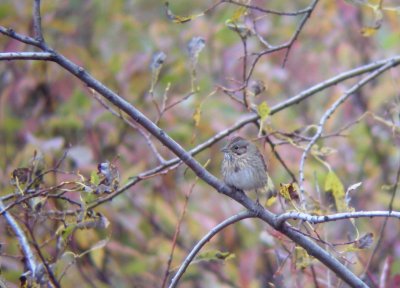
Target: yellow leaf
{"x":303,"y":260}
{"x":179,"y":19}
{"x":238,"y":13}
{"x":271,"y":201}
{"x":215,"y":255}
{"x":335,"y":186}
{"x":323,"y":151}
{"x":94,"y":178}
{"x":378,"y":18}
{"x":263,"y":110}
{"x":284,"y":191}
{"x":290,"y":194}
{"x":368,"y":31}
{"x":98,"y":255}
{"x":197,"y":116}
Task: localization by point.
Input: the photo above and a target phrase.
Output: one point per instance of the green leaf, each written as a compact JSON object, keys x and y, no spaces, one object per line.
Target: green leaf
{"x":335,"y":186}
{"x":88,"y":197}
{"x":303,"y":260}
{"x":94,"y":178}
{"x":215,"y":255}
{"x":179,"y":19}
{"x":239,"y":12}
{"x":197,"y":115}
{"x":157,"y":63}
{"x":284,"y":191}
{"x":263,"y":110}
{"x":65,"y":232}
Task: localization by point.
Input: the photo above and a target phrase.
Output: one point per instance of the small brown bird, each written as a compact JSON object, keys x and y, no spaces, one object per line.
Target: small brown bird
{"x":243,"y":166}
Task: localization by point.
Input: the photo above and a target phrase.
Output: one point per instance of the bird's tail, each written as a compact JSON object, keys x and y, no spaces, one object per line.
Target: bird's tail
{"x":268,"y":193}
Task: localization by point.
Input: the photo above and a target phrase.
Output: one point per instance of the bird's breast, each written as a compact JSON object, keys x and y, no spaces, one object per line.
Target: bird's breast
{"x":245,"y":178}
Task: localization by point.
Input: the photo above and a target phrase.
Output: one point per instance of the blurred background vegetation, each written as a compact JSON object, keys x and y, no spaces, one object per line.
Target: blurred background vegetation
{"x":43,"y":108}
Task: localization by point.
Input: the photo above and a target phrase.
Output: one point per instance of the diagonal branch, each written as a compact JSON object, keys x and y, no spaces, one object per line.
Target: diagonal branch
{"x":22,"y":38}
{"x":288,"y":45}
{"x":297,"y":33}
{"x":23,"y":242}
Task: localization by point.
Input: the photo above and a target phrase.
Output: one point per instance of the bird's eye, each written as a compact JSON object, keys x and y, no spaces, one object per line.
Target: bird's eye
{"x":235,"y":147}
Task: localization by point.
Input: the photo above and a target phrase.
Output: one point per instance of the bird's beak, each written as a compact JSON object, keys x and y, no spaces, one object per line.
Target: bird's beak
{"x":224,"y":150}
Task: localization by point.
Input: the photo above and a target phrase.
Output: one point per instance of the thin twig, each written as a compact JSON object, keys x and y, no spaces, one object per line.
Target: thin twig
{"x":37,"y":22}
{"x":269,"y":11}
{"x":24,"y":39}
{"x":272,"y":145}
{"x":382,"y":230}
{"x":329,"y":113}
{"x":169,"y":106}
{"x":42,"y":192}
{"x":26,"y":56}
{"x":314,"y":219}
{"x":134,"y":126}
{"x":176,"y":234}
{"x":232,"y":96}
{"x":314,"y":276}
{"x":271,"y":49}
{"x":41,"y":175}
{"x":244,"y":72}
{"x":46,"y":265}
{"x":204,"y":240}
{"x":161,"y":229}
{"x":133,"y":181}
{"x":23,"y":242}
{"x":298,"y":30}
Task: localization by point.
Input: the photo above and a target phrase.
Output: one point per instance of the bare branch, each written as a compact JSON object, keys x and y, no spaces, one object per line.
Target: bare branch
{"x":24,"y":39}
{"x":37,"y":22}
{"x":297,"y":33}
{"x":176,"y":234}
{"x":269,"y":11}
{"x":23,"y":242}
{"x":313,"y":219}
{"x":382,"y":231}
{"x":41,"y":192}
{"x":244,"y":71}
{"x":287,"y":45}
{"x":204,"y":240}
{"x":330,"y":111}
{"x":278,"y":156}
{"x":46,"y":265}
{"x":150,"y":143}
{"x":170,"y":106}
{"x":26,"y":56}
